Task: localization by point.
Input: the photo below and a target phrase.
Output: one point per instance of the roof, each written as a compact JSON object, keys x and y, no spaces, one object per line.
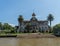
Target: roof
{"x":37,"y":21}
{"x":33,"y":14}
{"x":33,"y":19}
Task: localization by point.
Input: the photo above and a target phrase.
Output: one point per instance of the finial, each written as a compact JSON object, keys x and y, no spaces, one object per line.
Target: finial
{"x":33,"y":10}
{"x":33,"y":13}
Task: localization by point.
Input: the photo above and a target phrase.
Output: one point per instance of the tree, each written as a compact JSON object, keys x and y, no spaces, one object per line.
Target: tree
{"x":0,"y":26}
{"x":8,"y":28}
{"x":13,"y":30}
{"x":56,"y":29}
{"x":50,"y":18}
{"x":28,"y":27}
{"x":20,"y":19}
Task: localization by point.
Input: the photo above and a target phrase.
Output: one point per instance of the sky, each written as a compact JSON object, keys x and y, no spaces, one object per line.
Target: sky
{"x":11,"y":9}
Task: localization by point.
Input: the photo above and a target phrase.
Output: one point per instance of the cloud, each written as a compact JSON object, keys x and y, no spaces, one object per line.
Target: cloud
{"x":11,"y":24}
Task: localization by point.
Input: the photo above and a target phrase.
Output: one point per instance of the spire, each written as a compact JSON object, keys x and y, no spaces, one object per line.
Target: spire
{"x":33,"y":14}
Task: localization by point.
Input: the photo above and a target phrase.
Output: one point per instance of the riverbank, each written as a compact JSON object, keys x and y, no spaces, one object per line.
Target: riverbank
{"x":8,"y":35}
{"x":35,"y":35}
{"x":29,"y":35}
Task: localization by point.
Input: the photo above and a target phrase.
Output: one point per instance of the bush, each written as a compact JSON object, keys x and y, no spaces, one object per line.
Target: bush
{"x":56,"y":28}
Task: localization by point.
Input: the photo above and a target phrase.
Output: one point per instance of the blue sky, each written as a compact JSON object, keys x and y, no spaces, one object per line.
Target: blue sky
{"x":11,"y":9}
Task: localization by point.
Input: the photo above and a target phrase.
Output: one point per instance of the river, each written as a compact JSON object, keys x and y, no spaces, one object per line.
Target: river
{"x":30,"y":42}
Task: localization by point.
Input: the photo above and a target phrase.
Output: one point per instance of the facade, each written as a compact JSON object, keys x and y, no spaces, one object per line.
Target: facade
{"x":33,"y":25}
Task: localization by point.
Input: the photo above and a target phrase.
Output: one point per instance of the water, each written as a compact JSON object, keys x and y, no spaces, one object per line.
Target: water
{"x":30,"y":42}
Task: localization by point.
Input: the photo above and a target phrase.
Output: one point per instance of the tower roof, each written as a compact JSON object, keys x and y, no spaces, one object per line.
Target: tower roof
{"x":33,"y":17}
{"x":33,"y":14}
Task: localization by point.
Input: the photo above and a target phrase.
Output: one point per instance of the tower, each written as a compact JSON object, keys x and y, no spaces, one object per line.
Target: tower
{"x":33,"y":17}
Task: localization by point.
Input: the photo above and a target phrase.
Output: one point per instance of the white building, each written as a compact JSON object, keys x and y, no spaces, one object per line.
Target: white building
{"x":35,"y":25}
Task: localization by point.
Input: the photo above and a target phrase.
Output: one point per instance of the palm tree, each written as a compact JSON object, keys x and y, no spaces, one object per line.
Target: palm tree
{"x":20,"y":20}
{"x":50,"y":19}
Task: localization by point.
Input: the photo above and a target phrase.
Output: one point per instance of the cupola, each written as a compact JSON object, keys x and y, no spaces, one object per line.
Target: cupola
{"x":33,"y":17}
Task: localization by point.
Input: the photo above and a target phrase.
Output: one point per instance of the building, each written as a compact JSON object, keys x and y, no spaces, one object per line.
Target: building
{"x":33,"y":25}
